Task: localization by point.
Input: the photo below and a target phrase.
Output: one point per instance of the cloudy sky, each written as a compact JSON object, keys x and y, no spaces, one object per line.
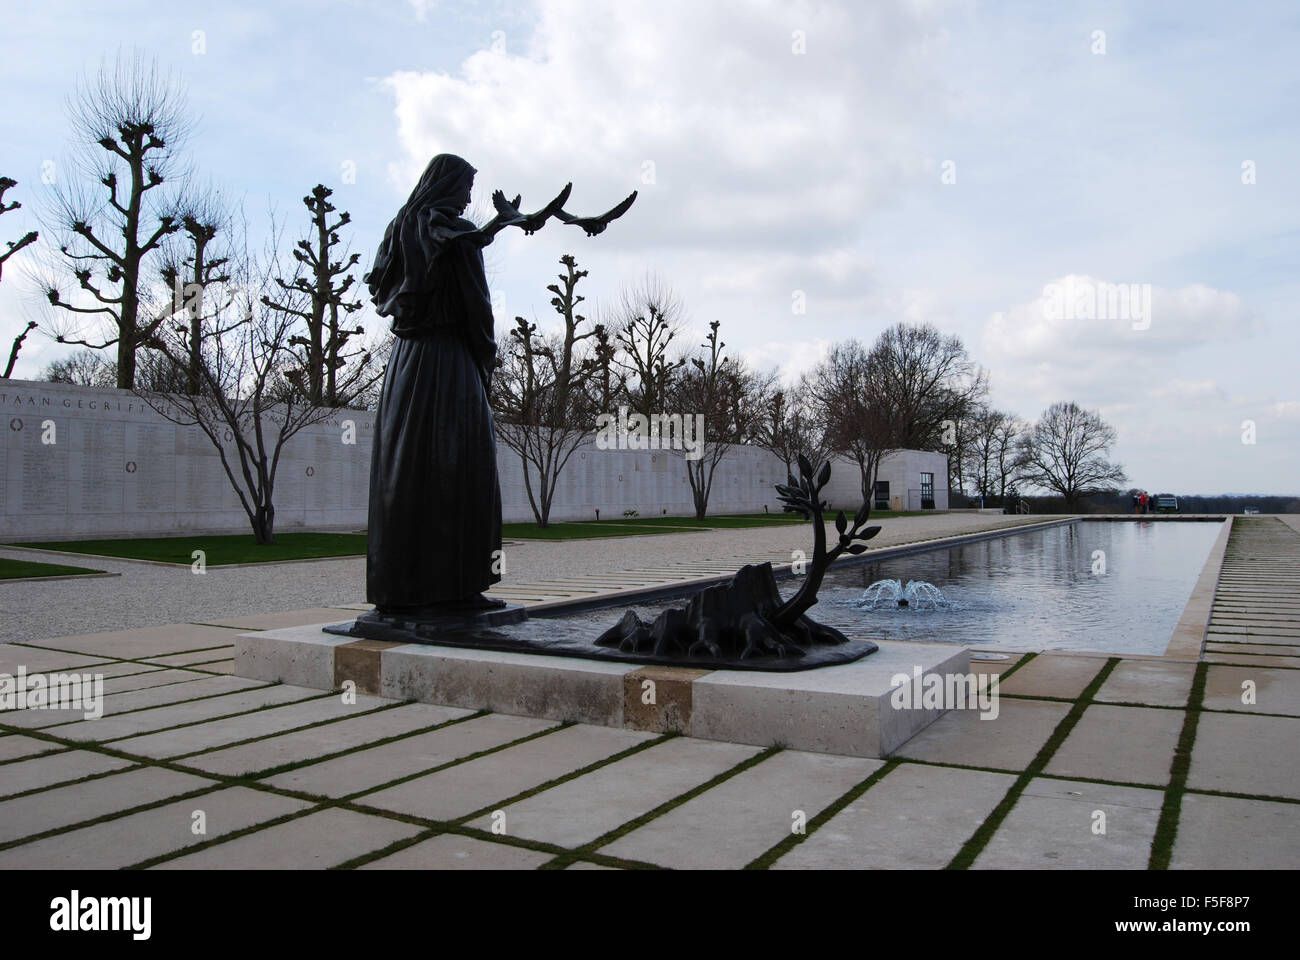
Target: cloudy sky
{"x":959,"y":163}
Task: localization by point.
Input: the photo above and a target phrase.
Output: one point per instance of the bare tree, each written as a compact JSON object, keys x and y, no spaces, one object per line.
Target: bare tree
{"x":646,"y":321}
{"x":927,"y":382}
{"x":14,"y":246}
{"x":606,"y":387}
{"x":993,"y":463}
{"x":846,"y":393}
{"x":789,"y":428}
{"x":247,"y":406}
{"x":197,"y":267}
{"x":325,"y":284}
{"x":1065,"y":451}
{"x":539,"y":394}
{"x":131,"y":121}
{"x":720,"y":393}
{"x":86,"y":368}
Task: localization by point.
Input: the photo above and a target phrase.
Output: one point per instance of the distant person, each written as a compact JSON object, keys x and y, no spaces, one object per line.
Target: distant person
{"x":1137,"y":502}
{"x":1145,"y":502}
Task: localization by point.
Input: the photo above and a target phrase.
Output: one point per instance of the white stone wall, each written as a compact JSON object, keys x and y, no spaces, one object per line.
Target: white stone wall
{"x":118,"y":468}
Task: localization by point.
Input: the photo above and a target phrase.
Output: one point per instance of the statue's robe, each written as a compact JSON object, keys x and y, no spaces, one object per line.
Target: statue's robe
{"x":435,"y":502}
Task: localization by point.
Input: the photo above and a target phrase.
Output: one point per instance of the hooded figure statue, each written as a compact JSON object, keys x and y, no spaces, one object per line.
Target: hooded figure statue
{"x":435,"y":502}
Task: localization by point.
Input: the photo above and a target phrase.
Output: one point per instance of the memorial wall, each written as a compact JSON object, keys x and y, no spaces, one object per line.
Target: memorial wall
{"x":83,"y":462}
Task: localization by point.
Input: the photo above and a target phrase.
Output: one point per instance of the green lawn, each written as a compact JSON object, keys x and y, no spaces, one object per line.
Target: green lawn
{"x":220,"y":550}
{"x":727,"y":522}
{"x":640,"y":526}
{"x":17,"y":569}
{"x":585,"y":530}
{"x":240,"y":548}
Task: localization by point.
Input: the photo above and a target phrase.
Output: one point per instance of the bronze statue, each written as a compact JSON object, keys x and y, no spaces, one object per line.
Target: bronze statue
{"x":435,"y":501}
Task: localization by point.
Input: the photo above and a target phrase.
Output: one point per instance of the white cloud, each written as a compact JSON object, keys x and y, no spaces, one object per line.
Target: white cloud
{"x":750,"y":143}
{"x":789,"y":358}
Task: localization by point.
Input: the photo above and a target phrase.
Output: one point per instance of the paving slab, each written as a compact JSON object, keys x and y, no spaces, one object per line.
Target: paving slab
{"x":36,"y":660}
{"x":143,"y":681}
{"x":915,"y":817}
{"x":322,"y":740}
{"x":453,"y":852}
{"x":1052,"y":675}
{"x":1248,"y":659}
{"x":1237,"y":753}
{"x":1273,"y":691}
{"x":1253,"y":625}
{"x":121,"y":668}
{"x":41,"y":772}
{"x":175,"y":714}
{"x":1054,"y":826}
{"x":289,"y":618}
{"x":495,"y":778}
{"x":140,"y":836}
{"x":367,"y":769}
{"x":584,"y":865}
{"x":1149,"y":682}
{"x":579,"y":810}
{"x":740,"y":819}
{"x":1007,"y":742}
{"x":17,"y":746}
{"x":197,"y":656}
{"x":142,"y":642}
{"x":195,"y":687}
{"x":314,"y":842}
{"x":220,"y":666}
{"x":78,"y":802}
{"x":260,"y":723}
{"x":1231,"y":833}
{"x":1128,"y":744}
{"x":1236,"y":646}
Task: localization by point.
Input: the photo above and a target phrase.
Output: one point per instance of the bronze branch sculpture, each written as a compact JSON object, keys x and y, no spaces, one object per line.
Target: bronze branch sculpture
{"x":746,"y":618}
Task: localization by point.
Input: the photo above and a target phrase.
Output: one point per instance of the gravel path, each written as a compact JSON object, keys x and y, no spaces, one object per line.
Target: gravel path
{"x":149,"y":595}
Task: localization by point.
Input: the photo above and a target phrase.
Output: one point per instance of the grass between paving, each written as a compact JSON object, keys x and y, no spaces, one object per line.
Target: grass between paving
{"x":1162,"y":845}
{"x":980,"y":838}
{"x":561,"y":857}
{"x":19,"y":569}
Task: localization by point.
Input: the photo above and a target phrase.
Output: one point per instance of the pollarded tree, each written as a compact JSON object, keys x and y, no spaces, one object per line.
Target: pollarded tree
{"x":247,"y":406}
{"x":719,"y":393}
{"x":1066,"y":452}
{"x":325,"y":282}
{"x":606,"y":387}
{"x":542,"y":406}
{"x":14,"y":246}
{"x":646,"y":322}
{"x":197,"y":269}
{"x":130,"y":121}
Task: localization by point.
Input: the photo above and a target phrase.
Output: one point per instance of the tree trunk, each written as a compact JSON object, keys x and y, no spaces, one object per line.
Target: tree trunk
{"x":264,"y":526}
{"x":125,"y":361}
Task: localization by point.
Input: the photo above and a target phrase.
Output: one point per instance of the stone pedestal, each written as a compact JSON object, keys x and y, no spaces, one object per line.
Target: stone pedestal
{"x":844,"y":709}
